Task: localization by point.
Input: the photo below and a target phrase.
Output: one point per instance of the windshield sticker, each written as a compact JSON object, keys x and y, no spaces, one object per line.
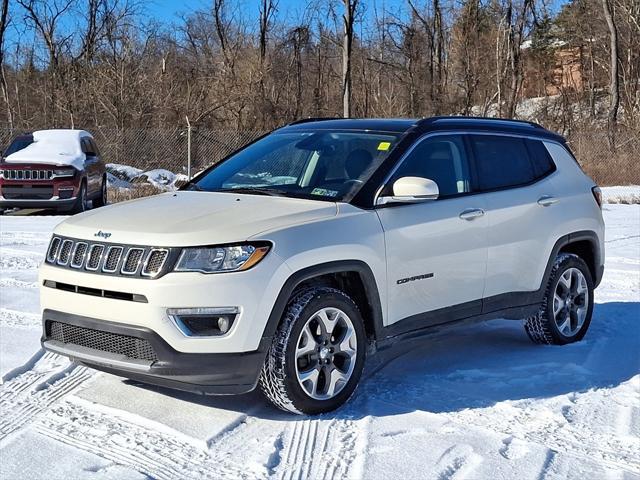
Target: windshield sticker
{"x":384,"y":146}
{"x":324,"y":192}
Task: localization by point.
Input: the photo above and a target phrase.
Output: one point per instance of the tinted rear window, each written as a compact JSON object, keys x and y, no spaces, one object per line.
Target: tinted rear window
{"x":501,"y":161}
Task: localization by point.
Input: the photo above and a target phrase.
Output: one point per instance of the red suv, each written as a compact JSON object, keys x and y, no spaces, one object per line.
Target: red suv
{"x":53,"y":169}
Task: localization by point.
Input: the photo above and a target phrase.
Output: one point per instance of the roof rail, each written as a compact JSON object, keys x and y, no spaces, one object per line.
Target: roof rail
{"x":312,"y":119}
{"x":433,"y":120}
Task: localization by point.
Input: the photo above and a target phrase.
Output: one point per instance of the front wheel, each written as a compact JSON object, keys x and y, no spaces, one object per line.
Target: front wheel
{"x":101,"y":199}
{"x":317,"y":355}
{"x":565,"y":313}
{"x":82,"y":202}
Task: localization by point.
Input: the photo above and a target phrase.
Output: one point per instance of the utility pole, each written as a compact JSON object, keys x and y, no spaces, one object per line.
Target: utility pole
{"x":188,"y":148}
{"x":347,"y":41}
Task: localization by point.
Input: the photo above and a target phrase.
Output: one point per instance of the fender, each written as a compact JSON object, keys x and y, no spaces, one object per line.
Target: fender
{"x":506,"y":301}
{"x":582,"y":235}
{"x":358,"y":266}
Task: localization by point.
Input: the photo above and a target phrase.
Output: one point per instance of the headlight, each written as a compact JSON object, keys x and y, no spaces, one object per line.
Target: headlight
{"x":64,"y":172}
{"x":220,"y":259}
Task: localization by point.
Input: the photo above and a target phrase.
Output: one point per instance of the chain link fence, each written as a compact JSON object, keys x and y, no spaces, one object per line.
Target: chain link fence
{"x":160,"y":157}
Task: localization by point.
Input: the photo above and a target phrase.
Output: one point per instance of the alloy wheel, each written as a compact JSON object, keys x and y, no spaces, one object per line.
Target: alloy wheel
{"x":326,"y":353}
{"x":570,"y":302}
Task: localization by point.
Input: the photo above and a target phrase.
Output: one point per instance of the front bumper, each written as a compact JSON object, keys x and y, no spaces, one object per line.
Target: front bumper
{"x":253,"y":292}
{"x":207,"y":373}
{"x":54,"y":203}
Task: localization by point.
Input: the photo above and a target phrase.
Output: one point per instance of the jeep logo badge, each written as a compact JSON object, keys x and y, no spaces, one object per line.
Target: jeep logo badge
{"x":102,"y":234}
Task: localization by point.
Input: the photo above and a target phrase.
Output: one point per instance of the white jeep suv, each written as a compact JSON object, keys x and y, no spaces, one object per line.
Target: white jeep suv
{"x":296,"y":257}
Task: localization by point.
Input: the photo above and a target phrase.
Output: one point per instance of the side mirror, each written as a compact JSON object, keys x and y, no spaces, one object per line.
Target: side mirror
{"x":411,"y":190}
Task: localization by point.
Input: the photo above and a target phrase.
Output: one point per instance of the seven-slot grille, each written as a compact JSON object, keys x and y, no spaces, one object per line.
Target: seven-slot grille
{"x":27,"y":174}
{"x":96,"y":257}
{"x":131,"y":347}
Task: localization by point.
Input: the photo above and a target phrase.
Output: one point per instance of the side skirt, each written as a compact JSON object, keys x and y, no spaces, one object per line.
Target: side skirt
{"x":393,"y":334}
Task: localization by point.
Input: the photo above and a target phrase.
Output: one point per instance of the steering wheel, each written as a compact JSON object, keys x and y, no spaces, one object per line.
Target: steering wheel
{"x":349,"y":184}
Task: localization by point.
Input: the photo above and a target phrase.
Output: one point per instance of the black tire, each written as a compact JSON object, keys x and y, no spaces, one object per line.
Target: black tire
{"x":542,"y":327}
{"x":278,"y":379}
{"x":101,"y":199}
{"x":81,"y":202}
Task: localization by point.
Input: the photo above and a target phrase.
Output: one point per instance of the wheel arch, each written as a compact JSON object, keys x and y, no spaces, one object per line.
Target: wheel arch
{"x":584,"y":244}
{"x":354,"y":277}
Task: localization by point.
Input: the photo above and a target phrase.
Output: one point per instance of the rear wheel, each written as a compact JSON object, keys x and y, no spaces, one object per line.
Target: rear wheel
{"x":565,"y":313}
{"x":317,"y":355}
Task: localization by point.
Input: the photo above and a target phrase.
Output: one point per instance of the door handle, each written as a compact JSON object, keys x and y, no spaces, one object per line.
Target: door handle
{"x":471,"y":213}
{"x":547,"y":200}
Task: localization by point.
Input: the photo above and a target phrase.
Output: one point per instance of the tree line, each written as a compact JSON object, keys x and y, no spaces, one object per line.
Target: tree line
{"x":109,"y":64}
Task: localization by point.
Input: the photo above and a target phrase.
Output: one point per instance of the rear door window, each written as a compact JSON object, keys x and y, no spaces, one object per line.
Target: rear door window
{"x":501,"y":161}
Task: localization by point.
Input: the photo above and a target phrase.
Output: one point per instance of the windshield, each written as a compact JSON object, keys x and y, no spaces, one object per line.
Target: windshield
{"x":328,"y":165}
{"x":18,"y":144}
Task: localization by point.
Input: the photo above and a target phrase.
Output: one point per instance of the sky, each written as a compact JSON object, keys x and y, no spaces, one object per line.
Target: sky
{"x":167,"y":10}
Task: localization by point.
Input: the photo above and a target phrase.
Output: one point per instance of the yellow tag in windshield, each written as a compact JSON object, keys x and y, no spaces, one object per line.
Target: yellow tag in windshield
{"x":384,"y":146}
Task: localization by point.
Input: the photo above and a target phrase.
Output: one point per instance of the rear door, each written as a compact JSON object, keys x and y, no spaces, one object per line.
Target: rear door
{"x":436,"y":250}
{"x":516,"y":175}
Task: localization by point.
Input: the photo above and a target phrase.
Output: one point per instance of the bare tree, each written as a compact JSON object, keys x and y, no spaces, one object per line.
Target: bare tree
{"x":614,"y":82}
{"x":3,"y":79}
{"x":347,"y":46}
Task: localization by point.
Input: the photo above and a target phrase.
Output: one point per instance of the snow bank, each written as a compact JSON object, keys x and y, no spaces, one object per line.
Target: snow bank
{"x":125,"y":176}
{"x":123,"y":172}
{"x":626,"y":194}
{"x":61,"y":147}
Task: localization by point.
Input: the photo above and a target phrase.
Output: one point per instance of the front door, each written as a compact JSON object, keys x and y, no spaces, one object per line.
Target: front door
{"x":436,"y":250}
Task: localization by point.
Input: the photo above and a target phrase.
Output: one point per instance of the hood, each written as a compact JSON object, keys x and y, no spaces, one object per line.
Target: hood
{"x":193,"y":218}
{"x":59,"y":147}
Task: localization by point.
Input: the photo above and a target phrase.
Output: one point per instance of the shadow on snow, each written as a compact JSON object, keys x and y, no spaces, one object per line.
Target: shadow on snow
{"x":476,"y":367}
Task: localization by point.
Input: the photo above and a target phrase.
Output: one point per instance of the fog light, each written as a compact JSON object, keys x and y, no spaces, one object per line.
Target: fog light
{"x":223,"y":324}
{"x":65,"y":192}
{"x":203,"y":322}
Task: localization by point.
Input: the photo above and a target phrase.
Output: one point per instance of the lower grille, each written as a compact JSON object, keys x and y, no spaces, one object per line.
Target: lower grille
{"x":19,"y":192}
{"x":131,"y":347}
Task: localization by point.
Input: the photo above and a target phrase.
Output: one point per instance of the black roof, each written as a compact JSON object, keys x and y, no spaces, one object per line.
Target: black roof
{"x":374,"y":124}
{"x":401,"y":125}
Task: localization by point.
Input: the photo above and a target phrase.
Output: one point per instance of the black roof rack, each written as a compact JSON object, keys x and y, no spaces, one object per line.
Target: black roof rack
{"x":460,"y":119}
{"x":312,"y":119}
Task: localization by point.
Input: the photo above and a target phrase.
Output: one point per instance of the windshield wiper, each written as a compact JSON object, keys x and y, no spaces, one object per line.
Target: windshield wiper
{"x":253,"y":190}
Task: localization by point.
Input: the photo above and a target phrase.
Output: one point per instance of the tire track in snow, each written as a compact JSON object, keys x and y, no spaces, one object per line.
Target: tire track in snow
{"x":13,"y":318}
{"x":153,"y":452}
{"x":15,"y":283}
{"x":248,"y":448}
{"x":319,"y":449}
{"x":23,"y":238}
{"x":12,"y":259}
{"x":542,"y":426}
{"x":458,"y":462}
{"x":28,"y":393}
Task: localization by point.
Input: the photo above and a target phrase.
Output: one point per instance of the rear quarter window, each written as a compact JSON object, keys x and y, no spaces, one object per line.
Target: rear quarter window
{"x":541,"y":158}
{"x":502,"y":161}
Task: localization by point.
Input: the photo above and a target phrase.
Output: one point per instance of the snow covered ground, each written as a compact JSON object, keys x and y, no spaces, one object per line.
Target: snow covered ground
{"x":482,"y":402}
